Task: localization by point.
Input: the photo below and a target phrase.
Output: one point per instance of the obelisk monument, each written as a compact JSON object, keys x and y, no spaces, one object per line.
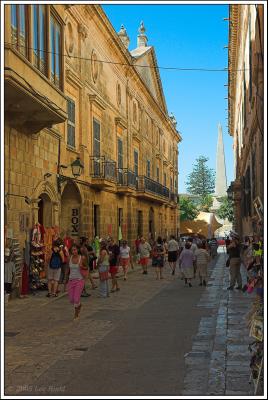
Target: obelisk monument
{"x":220,"y":185}
{"x":221,"y":181}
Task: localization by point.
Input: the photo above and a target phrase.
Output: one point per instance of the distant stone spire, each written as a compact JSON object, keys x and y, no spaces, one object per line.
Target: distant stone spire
{"x":221,"y":181}
{"x":142,"y":38}
{"x":123,"y":36}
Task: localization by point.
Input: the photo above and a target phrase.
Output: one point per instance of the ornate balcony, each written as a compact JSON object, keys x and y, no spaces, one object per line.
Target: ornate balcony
{"x":152,"y":190}
{"x":102,"y":171}
{"x":174,"y":197}
{"x":127,"y":180}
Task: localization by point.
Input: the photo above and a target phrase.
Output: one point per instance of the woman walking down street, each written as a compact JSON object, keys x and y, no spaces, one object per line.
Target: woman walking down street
{"x":173,"y":249}
{"x":145,"y":250}
{"x":186,"y":261}
{"x":54,"y":270}
{"x":158,"y":257}
{"x":103,"y":267}
{"x":114,"y":252}
{"x":165,"y":249}
{"x":213,"y":247}
{"x":202,"y":260}
{"x":234,"y":251}
{"x":64,"y":266}
{"x":124,"y":258}
{"x":193,"y":248}
{"x":137,"y":244}
{"x":78,"y":268}
{"x":87,"y":251}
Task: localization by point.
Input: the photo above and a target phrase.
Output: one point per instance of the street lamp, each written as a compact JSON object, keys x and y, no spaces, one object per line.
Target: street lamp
{"x":230,"y":193}
{"x":77,"y":169}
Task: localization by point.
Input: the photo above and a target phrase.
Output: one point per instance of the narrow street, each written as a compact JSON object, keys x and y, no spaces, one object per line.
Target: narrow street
{"x":151,"y":338}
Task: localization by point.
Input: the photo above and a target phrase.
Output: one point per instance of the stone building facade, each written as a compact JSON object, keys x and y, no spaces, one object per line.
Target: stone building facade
{"x":71,"y":91}
{"x":246,"y":114}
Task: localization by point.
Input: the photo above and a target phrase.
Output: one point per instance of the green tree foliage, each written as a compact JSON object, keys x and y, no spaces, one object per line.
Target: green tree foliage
{"x":226,"y":209}
{"x":188,"y":211}
{"x":206,"y":203}
{"x":201,"y":180}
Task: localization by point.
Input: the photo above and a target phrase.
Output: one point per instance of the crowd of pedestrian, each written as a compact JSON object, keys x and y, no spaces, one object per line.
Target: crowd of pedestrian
{"x":105,"y":256}
{"x":73,"y":262}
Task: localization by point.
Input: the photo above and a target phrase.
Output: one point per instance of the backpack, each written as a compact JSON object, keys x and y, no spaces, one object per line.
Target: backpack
{"x":55,"y":261}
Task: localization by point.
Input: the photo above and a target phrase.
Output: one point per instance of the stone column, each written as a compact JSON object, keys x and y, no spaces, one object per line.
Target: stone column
{"x":55,"y":213}
{"x":35,"y":209}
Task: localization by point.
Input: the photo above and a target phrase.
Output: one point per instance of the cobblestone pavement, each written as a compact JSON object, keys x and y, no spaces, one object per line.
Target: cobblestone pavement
{"x":140,"y":338}
{"x":218,"y":363}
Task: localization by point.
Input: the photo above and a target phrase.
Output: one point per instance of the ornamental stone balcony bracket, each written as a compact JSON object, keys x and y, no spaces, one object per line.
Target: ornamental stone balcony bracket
{"x":83,"y":31}
{"x":120,"y":122}
{"x":165,"y":162}
{"x":96,"y":100}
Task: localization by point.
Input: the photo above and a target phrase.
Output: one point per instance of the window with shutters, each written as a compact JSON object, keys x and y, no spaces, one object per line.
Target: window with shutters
{"x":71,"y":123}
{"x":55,"y":48}
{"x":120,"y":153}
{"x":29,"y":28}
{"x":157,"y":174}
{"x":19,"y":31}
{"x":96,"y":148}
{"x":148,"y":168}
{"x":136,"y":163}
{"x":96,"y":138}
{"x":39,"y":37}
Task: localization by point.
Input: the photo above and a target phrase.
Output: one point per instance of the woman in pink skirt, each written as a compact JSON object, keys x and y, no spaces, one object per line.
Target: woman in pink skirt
{"x":78,"y":268}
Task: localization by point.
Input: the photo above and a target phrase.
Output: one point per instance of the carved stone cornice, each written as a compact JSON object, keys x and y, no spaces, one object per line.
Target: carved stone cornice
{"x":96,"y":100}
{"x":73,"y":78}
{"x":120,"y":122}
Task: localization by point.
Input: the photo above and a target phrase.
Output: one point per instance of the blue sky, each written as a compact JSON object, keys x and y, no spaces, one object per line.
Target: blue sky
{"x":187,"y":36}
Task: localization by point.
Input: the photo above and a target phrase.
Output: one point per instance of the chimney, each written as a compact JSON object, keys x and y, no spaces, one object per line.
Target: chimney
{"x":142,"y":38}
{"x":123,"y":36}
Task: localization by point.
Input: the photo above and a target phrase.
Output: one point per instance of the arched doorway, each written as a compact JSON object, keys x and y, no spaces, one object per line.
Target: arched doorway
{"x":45,"y":210}
{"x":151,"y":223}
{"x":71,"y":210}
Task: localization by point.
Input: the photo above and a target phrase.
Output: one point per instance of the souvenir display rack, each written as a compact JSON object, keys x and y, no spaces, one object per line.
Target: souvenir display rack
{"x":255,"y":323}
{"x":16,"y":256}
{"x":37,"y":273}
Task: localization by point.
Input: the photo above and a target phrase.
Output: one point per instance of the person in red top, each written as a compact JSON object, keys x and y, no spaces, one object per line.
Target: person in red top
{"x":137,"y":244}
{"x":68,"y":241}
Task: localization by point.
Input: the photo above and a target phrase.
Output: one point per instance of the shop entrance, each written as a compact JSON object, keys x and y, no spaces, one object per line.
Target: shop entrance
{"x":71,"y":210}
{"x":96,"y":220}
{"x":45,"y":210}
{"x":140,"y":223}
{"x":151,"y":222}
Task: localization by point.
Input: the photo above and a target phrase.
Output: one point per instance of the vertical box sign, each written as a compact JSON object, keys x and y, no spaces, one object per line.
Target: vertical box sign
{"x":75,"y":222}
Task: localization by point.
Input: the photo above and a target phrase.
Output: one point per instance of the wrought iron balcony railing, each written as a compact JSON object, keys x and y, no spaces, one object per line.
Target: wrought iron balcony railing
{"x":149,"y":185}
{"x":174,"y":197}
{"x":126,"y":177}
{"x":101,"y":168}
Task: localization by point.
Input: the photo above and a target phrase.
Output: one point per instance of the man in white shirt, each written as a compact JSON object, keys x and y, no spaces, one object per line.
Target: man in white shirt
{"x":193,"y":248}
{"x":173,"y":249}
